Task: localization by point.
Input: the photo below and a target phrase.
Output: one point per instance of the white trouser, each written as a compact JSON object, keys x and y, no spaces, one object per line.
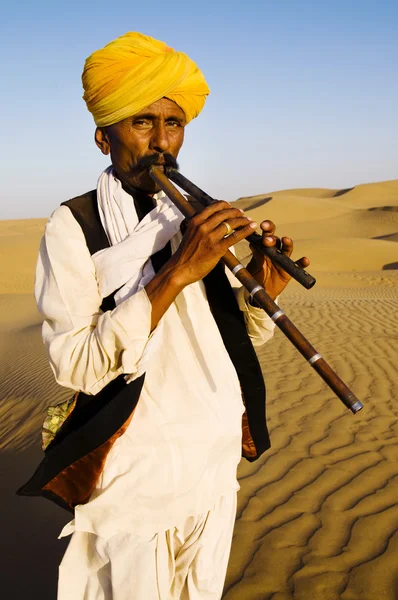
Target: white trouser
{"x":187,"y":562}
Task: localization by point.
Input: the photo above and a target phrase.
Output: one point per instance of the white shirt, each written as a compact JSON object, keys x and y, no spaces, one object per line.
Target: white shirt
{"x":181,"y":450}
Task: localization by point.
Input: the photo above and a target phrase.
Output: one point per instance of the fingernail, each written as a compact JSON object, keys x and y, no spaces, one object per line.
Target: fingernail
{"x":253,"y":225}
{"x":249,"y":218}
{"x":242,"y":211}
{"x":269,"y":239}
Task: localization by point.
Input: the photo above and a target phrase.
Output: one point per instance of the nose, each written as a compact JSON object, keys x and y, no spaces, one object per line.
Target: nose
{"x":160,"y":139}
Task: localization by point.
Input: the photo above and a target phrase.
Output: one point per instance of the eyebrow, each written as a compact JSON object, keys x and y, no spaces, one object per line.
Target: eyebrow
{"x":153,"y":117}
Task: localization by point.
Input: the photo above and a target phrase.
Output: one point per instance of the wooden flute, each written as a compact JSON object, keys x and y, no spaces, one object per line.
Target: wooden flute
{"x":258,"y":293}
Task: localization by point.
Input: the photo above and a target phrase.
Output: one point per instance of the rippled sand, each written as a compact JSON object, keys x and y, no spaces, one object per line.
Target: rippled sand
{"x":318,"y":513}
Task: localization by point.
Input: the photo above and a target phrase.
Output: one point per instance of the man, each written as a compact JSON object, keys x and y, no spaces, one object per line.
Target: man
{"x":131,"y":303}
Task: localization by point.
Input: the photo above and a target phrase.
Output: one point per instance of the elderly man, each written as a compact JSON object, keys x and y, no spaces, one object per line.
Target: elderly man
{"x":165,"y":371}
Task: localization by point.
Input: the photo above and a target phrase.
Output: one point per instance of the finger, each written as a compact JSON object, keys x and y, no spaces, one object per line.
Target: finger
{"x":268,"y":227}
{"x":272,"y":240}
{"x":287,"y":246}
{"x":303,"y":262}
{"x":238,"y":235}
{"x":207,"y":212}
{"x":234,"y":224}
{"x":229,"y":214}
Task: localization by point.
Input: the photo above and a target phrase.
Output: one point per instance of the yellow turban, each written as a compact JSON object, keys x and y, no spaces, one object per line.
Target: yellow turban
{"x":136,"y":70}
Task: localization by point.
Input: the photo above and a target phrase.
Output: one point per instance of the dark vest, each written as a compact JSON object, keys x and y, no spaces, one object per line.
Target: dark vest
{"x":75,"y":458}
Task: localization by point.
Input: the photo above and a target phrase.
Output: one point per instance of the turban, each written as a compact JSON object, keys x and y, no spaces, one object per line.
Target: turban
{"x":136,"y":70}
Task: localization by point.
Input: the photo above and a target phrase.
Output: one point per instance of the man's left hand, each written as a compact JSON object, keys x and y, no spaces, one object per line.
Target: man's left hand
{"x":272,"y":277}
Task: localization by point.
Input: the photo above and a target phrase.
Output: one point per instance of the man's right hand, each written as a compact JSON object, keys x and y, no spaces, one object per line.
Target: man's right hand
{"x":204,"y":242}
{"x":202,"y":246}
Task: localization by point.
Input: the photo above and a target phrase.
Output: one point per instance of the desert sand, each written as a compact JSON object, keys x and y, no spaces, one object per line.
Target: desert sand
{"x":318,"y":514}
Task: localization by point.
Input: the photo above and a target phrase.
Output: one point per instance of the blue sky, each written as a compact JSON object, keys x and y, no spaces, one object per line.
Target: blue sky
{"x":303,"y":94}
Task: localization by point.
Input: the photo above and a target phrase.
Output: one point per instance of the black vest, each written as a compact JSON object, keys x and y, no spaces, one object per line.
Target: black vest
{"x":72,"y":458}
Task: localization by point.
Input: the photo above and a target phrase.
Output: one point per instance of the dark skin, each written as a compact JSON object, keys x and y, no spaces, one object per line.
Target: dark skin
{"x":159,"y":128}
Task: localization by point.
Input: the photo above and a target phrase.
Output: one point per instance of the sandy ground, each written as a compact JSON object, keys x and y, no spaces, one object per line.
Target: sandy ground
{"x":317,"y":516}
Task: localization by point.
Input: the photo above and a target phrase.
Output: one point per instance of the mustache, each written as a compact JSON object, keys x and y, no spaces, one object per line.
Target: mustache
{"x":165,"y":160}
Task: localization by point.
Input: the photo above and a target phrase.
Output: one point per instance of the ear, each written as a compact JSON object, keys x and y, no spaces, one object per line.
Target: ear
{"x":102,"y":140}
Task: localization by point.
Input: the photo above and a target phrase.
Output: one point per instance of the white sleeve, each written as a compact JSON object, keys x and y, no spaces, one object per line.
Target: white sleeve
{"x":259,"y":325}
{"x":87,"y":348}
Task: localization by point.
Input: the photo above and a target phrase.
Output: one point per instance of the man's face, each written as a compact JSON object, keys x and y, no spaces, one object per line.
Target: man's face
{"x":159,"y":128}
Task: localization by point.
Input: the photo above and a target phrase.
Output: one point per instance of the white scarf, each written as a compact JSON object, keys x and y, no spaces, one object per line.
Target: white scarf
{"x":125,"y":263}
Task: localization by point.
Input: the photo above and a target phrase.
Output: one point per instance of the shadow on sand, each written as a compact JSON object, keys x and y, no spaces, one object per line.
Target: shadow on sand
{"x":29,"y":546}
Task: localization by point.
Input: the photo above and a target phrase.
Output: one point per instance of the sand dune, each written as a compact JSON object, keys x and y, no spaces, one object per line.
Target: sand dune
{"x":297,"y":209}
{"x":356,"y":223}
{"x":365,"y":195}
{"x":390,"y":237}
{"x":347,"y":254}
{"x":357,"y":230}
{"x":317,"y":515}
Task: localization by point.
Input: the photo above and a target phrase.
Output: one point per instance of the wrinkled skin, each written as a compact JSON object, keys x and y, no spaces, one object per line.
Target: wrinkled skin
{"x":159,"y":128}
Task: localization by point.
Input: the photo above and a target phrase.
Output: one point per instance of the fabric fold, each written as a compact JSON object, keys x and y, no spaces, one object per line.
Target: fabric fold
{"x":126,"y":262}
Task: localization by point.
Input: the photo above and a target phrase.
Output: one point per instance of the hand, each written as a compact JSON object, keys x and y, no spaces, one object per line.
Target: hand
{"x":204,"y":241}
{"x":272,"y":277}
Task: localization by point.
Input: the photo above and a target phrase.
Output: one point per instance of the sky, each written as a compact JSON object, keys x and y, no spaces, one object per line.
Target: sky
{"x":303,"y":94}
